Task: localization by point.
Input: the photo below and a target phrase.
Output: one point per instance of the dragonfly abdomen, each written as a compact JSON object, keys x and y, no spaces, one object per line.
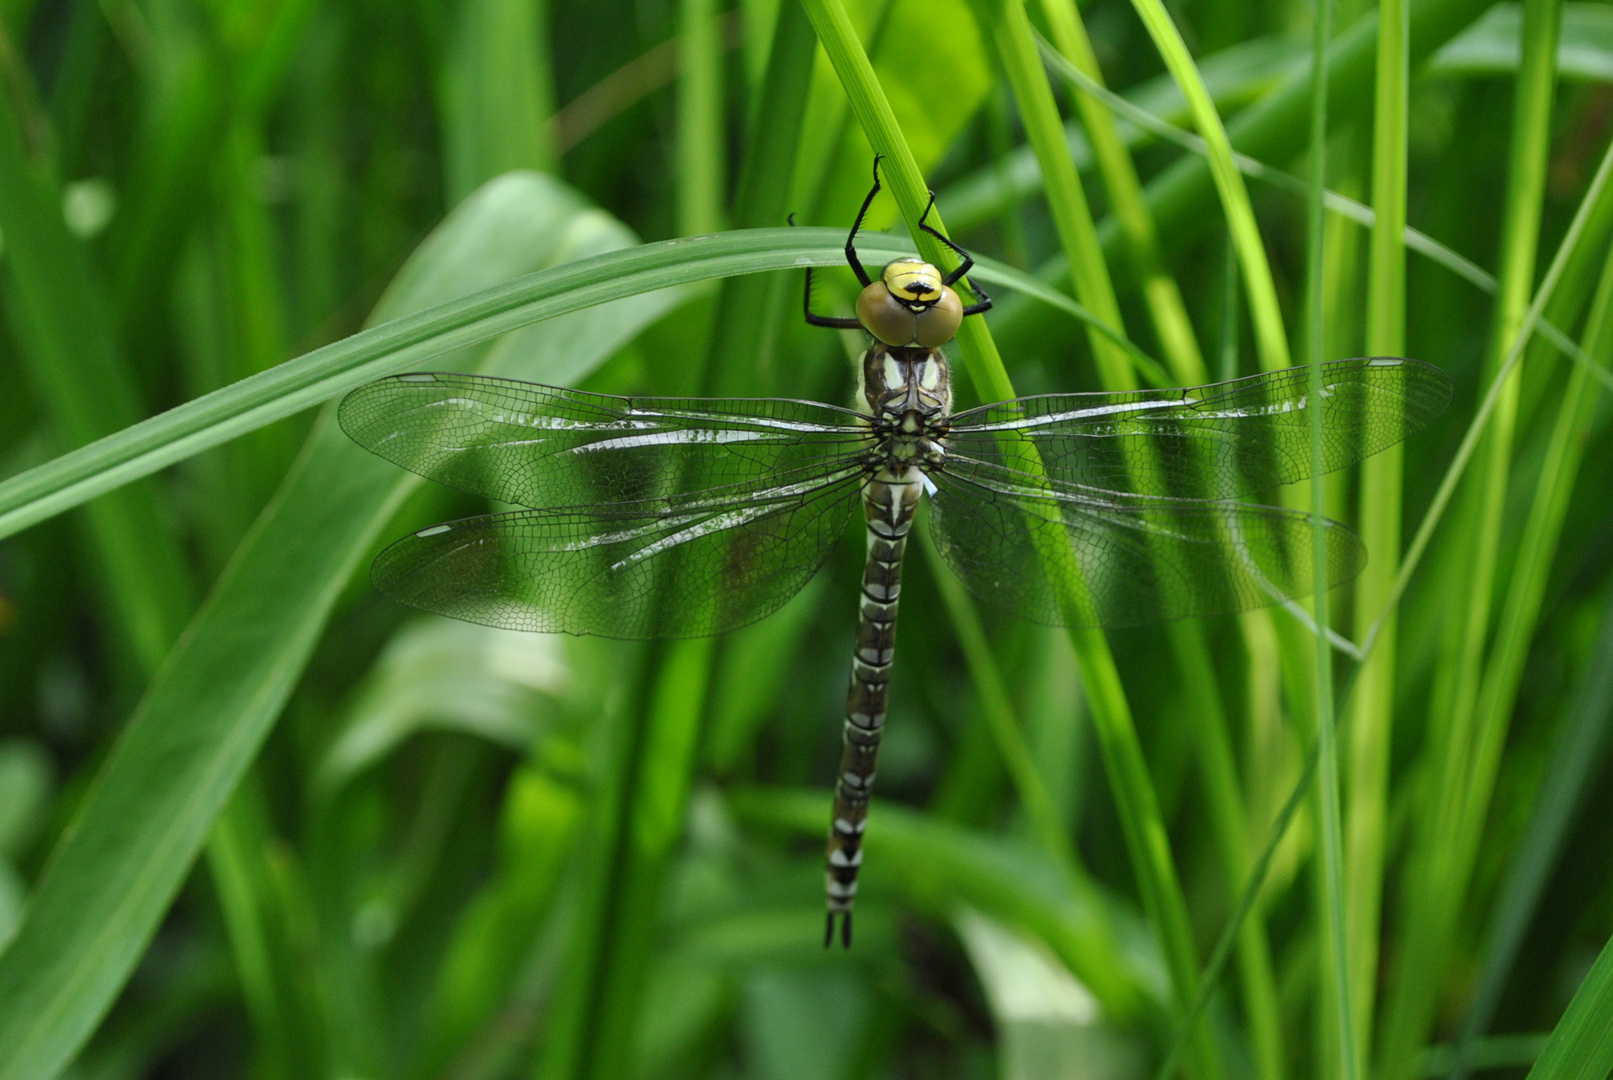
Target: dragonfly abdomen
{"x":889,"y":503}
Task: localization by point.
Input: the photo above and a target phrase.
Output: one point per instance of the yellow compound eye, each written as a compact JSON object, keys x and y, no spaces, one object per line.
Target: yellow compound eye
{"x":884,"y":316}
{"x":913,"y":280}
{"x":940,"y":321}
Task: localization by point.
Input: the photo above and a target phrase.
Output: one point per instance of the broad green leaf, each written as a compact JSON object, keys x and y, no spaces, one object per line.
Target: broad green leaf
{"x":112,"y":876}
{"x":1049,"y":1026}
{"x":1492,"y":46}
{"x":802,"y":1024}
{"x":937,"y":865}
{"x":439,"y":674}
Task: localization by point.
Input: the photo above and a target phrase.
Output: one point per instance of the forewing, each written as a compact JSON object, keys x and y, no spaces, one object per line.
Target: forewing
{"x":1212,"y":442}
{"x":544,"y":446}
{"x":660,"y":568}
{"x":1066,"y":556}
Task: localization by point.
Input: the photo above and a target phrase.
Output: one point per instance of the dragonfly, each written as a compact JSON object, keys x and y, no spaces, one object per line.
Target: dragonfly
{"x":648,"y":517}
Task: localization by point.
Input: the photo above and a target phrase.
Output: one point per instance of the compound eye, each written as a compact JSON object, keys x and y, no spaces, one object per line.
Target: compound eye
{"x":886,"y":317}
{"x":940,"y":321}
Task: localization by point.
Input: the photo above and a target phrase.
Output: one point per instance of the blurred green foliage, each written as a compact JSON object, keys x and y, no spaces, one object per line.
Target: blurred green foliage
{"x":257,"y":821}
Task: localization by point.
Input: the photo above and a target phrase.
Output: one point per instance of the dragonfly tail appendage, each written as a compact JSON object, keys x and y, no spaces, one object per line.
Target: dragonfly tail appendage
{"x":888,"y":507}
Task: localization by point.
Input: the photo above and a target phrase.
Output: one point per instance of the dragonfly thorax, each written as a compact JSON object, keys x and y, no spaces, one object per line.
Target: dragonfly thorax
{"x":908,"y":393}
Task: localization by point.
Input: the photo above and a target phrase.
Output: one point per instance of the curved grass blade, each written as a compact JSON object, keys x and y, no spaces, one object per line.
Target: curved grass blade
{"x":411,"y":340}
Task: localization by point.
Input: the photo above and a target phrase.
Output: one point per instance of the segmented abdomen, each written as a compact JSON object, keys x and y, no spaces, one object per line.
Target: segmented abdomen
{"x":888,"y":506}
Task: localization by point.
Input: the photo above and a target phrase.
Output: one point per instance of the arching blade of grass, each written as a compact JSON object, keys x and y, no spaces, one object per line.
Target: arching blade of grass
{"x":416,"y":339}
{"x":109,"y":881}
{"x":1016,"y":46}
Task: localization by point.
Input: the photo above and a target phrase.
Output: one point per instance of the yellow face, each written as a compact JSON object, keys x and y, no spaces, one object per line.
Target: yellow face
{"x":908,"y":306}
{"x":913,"y":280}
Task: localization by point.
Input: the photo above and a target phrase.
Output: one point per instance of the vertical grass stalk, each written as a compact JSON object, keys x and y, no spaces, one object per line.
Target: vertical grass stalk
{"x":1576,"y":753}
{"x":701,"y":139}
{"x":1334,"y":981}
{"x":1066,"y":201}
{"x":1437,"y":876}
{"x":1372,"y":719}
{"x":1271,"y":341}
{"x":1164,"y":298}
{"x":1144,"y":829}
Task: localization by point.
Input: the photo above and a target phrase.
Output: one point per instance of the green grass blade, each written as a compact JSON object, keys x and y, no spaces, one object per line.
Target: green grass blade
{"x":1271,"y":339}
{"x":111,"y":878}
{"x":998,"y":709}
{"x":496,"y":93}
{"x":54,"y":309}
{"x":1521,"y":610}
{"x":1593,"y":205}
{"x":1579,"y":750}
{"x":1144,"y":829}
{"x":1273,"y":129}
{"x":1164,"y":298}
{"x":702,"y":140}
{"x":1438,"y":872}
{"x":1372,"y":708}
{"x":1016,"y":45}
{"x":414,"y":340}
{"x":652,"y":769}
{"x":1334,"y":982}
{"x":1072,"y":219}
{"x":1581,"y":1046}
{"x":740,"y":356}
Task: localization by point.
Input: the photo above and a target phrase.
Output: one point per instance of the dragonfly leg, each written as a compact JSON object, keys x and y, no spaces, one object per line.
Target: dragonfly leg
{"x":851,"y":238}
{"x":963,"y":268}
{"x":834,"y":322}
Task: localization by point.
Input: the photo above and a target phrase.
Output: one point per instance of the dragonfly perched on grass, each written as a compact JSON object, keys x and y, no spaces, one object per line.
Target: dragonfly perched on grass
{"x":685,"y":517}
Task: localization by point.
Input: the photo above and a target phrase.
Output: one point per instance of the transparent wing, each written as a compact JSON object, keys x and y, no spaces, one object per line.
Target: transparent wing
{"x":543,"y":446}
{"x":660,"y":568}
{"x":1215,"y":441}
{"x":1018,"y":542}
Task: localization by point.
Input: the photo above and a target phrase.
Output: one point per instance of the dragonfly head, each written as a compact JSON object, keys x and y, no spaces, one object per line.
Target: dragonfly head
{"x":909,"y":305}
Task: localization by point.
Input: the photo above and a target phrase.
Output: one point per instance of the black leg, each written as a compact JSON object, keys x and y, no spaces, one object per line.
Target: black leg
{"x":963,"y":267}
{"x":845,"y":932}
{"x":968,"y":260}
{"x":831,"y":321}
{"x":851,"y":240}
{"x":985,"y":300}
